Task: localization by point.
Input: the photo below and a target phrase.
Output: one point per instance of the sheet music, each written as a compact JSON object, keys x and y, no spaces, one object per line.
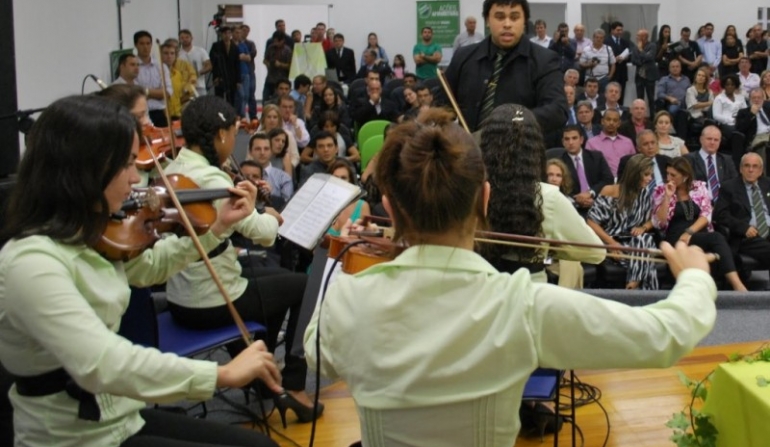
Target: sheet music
{"x":314,"y":207}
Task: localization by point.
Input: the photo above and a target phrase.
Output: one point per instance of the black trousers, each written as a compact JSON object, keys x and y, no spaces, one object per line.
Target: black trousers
{"x":711,"y":242}
{"x":165,"y":429}
{"x":271,"y":293}
{"x":757,"y":248}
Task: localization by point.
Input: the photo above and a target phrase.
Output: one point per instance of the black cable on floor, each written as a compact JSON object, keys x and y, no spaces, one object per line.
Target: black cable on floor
{"x":584,"y":395}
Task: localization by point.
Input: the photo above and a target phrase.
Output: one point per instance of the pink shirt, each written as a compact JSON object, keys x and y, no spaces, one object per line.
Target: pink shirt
{"x":613,"y":149}
{"x":699,"y":194}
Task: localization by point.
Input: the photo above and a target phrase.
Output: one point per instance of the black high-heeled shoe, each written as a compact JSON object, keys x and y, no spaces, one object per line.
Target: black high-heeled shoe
{"x":305,"y":414}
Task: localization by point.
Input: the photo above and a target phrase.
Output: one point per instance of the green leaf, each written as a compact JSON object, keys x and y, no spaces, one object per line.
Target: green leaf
{"x":735,"y":357}
{"x":686,"y":381}
{"x":679,"y":421}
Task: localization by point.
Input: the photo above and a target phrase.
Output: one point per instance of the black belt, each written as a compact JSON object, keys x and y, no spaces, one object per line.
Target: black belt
{"x":219,"y":249}
{"x":507,"y":265}
{"x":57,"y":381}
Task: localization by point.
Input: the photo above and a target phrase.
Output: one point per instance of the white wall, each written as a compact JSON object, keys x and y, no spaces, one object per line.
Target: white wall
{"x":59,"y":42}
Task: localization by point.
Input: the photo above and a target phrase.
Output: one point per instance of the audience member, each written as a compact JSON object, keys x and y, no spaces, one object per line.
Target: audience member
{"x":149,"y":78}
{"x":563,"y":47}
{"x":359,"y":209}
{"x":373,"y":43}
{"x":128,"y":69}
{"x":585,"y":117}
{"x":669,"y":145}
{"x":743,"y":208}
{"x":374,"y":107}
{"x":598,"y":60}
{"x":541,"y":36}
{"x":710,"y":166}
{"x":342,"y":59}
{"x":611,"y":102}
{"x":639,"y":121}
{"x":278,"y":61}
{"x":664,"y":53}
{"x":281,"y":155}
{"x":754,"y":123}
{"x":728,"y":103}
{"x":619,"y":46}
{"x":291,"y":123}
{"x":198,"y":57}
{"x":689,"y":55}
{"x":612,"y":145}
{"x":329,"y":121}
{"x":591,"y":94}
{"x":749,"y":81}
{"x":699,"y":97}
{"x":731,"y":55}
{"x":251,"y":92}
{"x":672,"y":89}
{"x":399,"y":66}
{"x":281,"y":184}
{"x":183,"y":79}
{"x":648,"y":146}
{"x":643,"y":56}
{"x":682,"y":212}
{"x":300,"y":93}
{"x":711,"y":49}
{"x":271,"y":119}
{"x":324,"y":147}
{"x":331,"y":101}
{"x":372,"y":64}
{"x":756,"y":50}
{"x":469,"y":36}
{"x":427,"y":55}
{"x":588,"y":167}
{"x":621,"y":216}
{"x":225,"y":63}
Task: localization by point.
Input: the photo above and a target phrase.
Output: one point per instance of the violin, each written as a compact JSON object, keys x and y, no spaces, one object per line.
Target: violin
{"x":162,"y":142}
{"x":150,"y":213}
{"x":234,"y":171}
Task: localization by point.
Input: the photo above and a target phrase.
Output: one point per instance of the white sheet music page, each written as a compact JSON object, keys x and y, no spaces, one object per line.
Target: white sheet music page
{"x":314,"y":207}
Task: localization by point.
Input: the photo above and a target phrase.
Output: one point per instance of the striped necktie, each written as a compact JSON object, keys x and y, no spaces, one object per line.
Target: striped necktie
{"x":759,"y":211}
{"x":489,"y":96}
{"x":712,"y":178}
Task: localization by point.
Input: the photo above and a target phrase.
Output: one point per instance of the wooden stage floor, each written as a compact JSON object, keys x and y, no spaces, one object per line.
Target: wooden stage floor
{"x":639,"y":403}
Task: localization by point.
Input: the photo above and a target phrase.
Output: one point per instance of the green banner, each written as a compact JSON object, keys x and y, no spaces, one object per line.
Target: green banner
{"x":443,"y":17}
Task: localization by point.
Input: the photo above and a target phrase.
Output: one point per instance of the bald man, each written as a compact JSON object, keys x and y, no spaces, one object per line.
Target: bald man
{"x":469,"y":36}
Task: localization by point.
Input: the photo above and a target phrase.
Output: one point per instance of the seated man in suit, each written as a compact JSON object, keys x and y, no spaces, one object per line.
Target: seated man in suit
{"x":743,"y":207}
{"x":342,"y":59}
{"x":754,"y":123}
{"x":374,"y":107}
{"x":639,"y":121}
{"x":589,"y":169}
{"x":611,"y":102}
{"x":612,"y":145}
{"x":585,"y":118}
{"x":709,"y":165}
{"x":373,"y":64}
{"x":591,"y":93}
{"x":647,"y":145}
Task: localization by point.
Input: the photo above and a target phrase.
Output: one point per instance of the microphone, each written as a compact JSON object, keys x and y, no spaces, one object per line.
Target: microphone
{"x":102,"y":84}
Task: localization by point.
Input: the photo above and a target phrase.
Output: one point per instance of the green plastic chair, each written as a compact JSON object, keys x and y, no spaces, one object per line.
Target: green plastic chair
{"x":370,"y":149}
{"x":370,"y":129}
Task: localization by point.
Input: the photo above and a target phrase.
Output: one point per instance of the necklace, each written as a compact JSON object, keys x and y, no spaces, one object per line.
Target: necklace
{"x":689,"y":210}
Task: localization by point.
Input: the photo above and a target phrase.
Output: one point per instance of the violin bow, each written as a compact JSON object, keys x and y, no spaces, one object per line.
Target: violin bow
{"x":202,"y":252}
{"x":452,"y":99}
{"x":165,"y":99}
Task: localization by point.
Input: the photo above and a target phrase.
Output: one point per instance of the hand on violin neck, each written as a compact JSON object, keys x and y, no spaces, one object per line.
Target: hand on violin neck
{"x":239,"y":206}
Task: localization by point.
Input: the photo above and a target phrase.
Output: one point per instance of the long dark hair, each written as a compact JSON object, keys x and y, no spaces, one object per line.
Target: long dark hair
{"x":629,"y":183}
{"x":74,"y":150}
{"x":202,"y":120}
{"x":419,"y":155}
{"x":661,"y":40}
{"x":514,"y":154}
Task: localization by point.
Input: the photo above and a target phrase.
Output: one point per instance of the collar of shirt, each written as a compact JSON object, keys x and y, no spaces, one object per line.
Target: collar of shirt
{"x":704,"y":155}
{"x":436,"y":257}
{"x":521,"y":49}
{"x":609,"y":137}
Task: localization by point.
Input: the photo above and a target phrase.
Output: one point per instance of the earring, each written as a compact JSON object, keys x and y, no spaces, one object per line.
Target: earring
{"x":223,"y":141}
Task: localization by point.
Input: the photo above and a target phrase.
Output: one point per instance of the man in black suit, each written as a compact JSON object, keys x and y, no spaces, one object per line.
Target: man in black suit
{"x":708,"y":156}
{"x":618,"y":44}
{"x":591,"y":94}
{"x":585,"y":118}
{"x":373,"y":64}
{"x":374,"y":107}
{"x":647,"y":145}
{"x":743,"y":207}
{"x":342,"y":59}
{"x":590,"y":171}
{"x":612,"y":95}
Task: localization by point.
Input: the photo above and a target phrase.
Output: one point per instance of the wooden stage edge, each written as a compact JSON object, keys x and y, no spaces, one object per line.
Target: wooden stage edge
{"x":638,"y":402}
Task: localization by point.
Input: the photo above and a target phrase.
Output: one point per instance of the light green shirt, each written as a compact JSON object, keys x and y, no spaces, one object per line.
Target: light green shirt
{"x":438,"y":336}
{"x":60,"y":306}
{"x":193,"y":287}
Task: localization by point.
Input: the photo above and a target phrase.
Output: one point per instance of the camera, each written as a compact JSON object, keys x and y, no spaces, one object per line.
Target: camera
{"x":595,"y":60}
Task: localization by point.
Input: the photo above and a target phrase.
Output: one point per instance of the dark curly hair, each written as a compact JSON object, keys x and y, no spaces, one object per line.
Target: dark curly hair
{"x":514,"y":154}
{"x":74,"y":150}
{"x":202,"y":119}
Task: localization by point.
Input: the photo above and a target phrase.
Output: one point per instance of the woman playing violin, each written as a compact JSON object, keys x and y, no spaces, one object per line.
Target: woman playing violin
{"x":436,"y":345}
{"x":61,"y":302}
{"x":209,"y":126}
{"x":514,"y":154}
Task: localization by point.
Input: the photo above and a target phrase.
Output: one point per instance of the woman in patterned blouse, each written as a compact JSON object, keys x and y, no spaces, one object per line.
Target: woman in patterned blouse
{"x":621,"y":216}
{"x":682,"y":211}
